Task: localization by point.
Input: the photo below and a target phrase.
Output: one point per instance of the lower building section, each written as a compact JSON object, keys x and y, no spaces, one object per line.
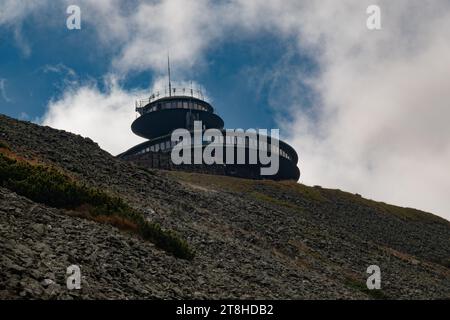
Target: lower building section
{"x":287,"y":170}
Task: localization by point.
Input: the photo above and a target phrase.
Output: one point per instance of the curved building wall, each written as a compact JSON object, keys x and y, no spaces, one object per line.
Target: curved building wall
{"x":160,"y":117}
{"x":158,"y":123}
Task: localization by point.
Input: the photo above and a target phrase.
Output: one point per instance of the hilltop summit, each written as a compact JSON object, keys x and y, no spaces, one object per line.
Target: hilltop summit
{"x":249,"y":238}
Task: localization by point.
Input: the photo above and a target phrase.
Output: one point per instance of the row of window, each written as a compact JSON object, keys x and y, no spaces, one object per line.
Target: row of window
{"x":180,"y":104}
{"x":251,"y":143}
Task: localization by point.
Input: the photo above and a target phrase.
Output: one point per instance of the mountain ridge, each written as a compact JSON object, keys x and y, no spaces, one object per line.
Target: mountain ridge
{"x":253,"y":239}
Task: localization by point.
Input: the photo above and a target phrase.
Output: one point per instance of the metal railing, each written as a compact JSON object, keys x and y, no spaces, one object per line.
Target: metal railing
{"x":175,"y":92}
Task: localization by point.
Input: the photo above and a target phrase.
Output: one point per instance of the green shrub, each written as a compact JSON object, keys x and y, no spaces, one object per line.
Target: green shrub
{"x":50,"y":187}
{"x":444,"y":262}
{"x":166,"y":239}
{"x":4,"y":145}
{"x":360,"y":286}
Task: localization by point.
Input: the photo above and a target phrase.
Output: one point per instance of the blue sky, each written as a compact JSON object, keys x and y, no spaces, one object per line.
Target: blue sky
{"x":366,"y":110}
{"x":30,"y":83}
{"x":234,"y":73}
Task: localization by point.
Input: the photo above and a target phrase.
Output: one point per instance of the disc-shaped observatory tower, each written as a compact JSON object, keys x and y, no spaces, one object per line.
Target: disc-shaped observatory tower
{"x":180,"y":108}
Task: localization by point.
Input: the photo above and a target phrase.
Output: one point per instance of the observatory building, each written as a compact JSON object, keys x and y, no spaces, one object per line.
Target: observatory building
{"x":183,"y":108}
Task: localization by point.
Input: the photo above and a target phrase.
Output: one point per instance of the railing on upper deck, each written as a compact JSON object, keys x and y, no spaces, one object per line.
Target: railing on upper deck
{"x":175,"y":92}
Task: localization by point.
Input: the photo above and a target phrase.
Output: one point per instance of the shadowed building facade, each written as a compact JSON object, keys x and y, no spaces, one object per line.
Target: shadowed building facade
{"x":161,"y":114}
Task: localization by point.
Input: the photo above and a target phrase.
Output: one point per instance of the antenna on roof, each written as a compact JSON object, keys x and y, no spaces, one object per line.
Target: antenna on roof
{"x":168,"y":71}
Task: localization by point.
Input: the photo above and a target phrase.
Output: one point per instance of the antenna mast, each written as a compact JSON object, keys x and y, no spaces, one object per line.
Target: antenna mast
{"x":168,"y":69}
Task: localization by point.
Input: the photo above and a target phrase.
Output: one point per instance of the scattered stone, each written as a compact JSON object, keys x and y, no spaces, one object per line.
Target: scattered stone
{"x":39,"y":228}
{"x":47,"y":282}
{"x":252,"y":239}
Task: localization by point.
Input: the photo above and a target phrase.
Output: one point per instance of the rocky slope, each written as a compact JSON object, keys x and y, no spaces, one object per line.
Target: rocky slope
{"x":253,"y":239}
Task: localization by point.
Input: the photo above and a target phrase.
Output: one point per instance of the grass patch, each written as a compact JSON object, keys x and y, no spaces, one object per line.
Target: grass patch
{"x":307,"y":192}
{"x":215,"y":182}
{"x":410,"y":213}
{"x":406,"y":214}
{"x":4,"y":145}
{"x":233,"y":184}
{"x":377,"y":294}
{"x":50,"y":187}
{"x":444,"y":262}
{"x":266,"y":190}
{"x":275,"y":201}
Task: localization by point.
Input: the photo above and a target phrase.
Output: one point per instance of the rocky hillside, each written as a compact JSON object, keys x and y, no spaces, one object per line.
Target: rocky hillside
{"x":252,"y":239}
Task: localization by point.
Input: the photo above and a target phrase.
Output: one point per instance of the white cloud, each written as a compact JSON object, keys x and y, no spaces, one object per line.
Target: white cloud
{"x":178,"y":26}
{"x":13,"y":11}
{"x":3,"y":93}
{"x":59,"y":68}
{"x":103,"y":116}
{"x":380,"y":127}
{"x":12,"y":14}
{"x":24,"y":116}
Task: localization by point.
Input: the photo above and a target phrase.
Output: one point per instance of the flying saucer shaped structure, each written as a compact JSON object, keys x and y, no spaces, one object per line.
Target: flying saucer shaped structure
{"x":161,"y":114}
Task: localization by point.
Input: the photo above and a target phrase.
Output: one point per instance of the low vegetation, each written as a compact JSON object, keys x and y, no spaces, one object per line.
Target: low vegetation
{"x":407,"y":214}
{"x":4,"y":145}
{"x":233,"y":184}
{"x":48,"y":186}
{"x":272,"y":200}
{"x":262,"y":190}
{"x":377,"y":294}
